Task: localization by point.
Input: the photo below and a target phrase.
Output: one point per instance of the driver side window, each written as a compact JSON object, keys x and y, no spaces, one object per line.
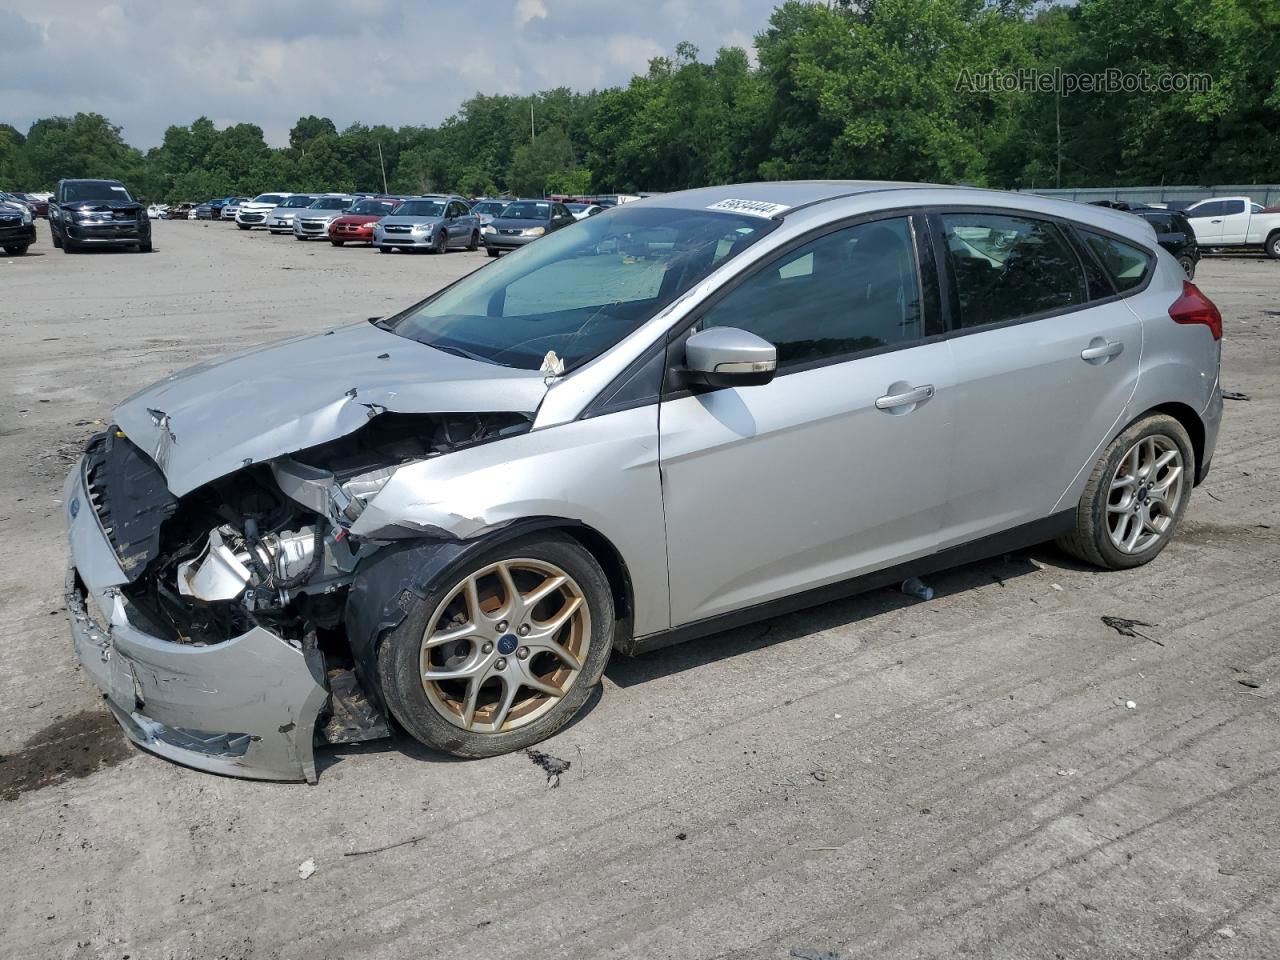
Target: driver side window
{"x":846,"y":292}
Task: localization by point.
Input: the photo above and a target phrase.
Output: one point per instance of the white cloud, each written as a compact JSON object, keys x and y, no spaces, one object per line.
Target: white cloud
{"x":147,"y":64}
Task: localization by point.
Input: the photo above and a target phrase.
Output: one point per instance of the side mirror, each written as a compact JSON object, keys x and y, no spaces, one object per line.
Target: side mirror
{"x":729,"y":357}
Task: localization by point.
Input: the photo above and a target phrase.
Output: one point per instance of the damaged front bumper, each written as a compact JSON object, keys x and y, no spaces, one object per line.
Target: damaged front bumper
{"x":247,"y":707}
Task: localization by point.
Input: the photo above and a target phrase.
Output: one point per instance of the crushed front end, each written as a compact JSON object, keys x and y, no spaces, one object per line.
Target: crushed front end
{"x":213,"y":623}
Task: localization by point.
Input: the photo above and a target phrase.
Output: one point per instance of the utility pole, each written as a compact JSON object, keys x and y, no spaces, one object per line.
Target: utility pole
{"x":532,"y":135}
{"x":1057,"y":104}
{"x":383,"y":166}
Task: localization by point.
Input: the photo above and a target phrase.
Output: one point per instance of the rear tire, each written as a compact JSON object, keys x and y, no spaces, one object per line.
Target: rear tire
{"x":1273,"y":246}
{"x":1188,"y":265}
{"x":1119,"y":497}
{"x":434,"y":712}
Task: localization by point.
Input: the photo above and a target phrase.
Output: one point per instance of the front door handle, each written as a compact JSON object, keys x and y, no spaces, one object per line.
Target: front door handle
{"x":908,"y":397}
{"x":1100,"y":350}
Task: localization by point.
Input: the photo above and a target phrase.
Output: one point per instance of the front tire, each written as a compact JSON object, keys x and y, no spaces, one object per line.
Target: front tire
{"x":242,"y":226}
{"x":16,"y":249}
{"x":492,"y":252}
{"x":502,"y":653}
{"x":474,"y":244}
{"x":1136,"y":496}
{"x":296,"y":237}
{"x":441,"y":243}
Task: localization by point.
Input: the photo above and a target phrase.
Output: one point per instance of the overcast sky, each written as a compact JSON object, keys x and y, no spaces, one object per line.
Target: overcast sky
{"x":146,"y":64}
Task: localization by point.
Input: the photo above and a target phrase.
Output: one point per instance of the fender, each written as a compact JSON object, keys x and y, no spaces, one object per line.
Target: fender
{"x":384,"y":586}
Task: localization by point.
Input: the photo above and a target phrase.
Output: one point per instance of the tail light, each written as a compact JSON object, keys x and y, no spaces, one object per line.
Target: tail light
{"x":1194,"y":307}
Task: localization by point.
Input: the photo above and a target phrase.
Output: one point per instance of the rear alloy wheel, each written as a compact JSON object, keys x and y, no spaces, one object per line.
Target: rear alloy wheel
{"x":1188,"y":265}
{"x":1135,"y":497}
{"x":1273,"y":246}
{"x":505,"y":653}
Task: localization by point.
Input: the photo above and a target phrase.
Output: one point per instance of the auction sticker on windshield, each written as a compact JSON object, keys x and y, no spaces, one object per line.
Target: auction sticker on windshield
{"x":755,"y":208}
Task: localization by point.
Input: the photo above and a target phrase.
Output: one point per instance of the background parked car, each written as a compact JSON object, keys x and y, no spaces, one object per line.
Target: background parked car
{"x":313,"y":221}
{"x":280,"y":220}
{"x":17,"y":200}
{"x":39,"y":205}
{"x":181,"y":211}
{"x":254,"y":213}
{"x":1175,"y":234}
{"x":94,"y":213}
{"x":232,"y":207}
{"x":523,"y":221}
{"x":356,"y":225}
{"x":428,"y":223}
{"x":17,"y":228}
{"x":1236,"y":222}
{"x":215,"y":207}
{"x":486,"y":209}
{"x":581,"y":211}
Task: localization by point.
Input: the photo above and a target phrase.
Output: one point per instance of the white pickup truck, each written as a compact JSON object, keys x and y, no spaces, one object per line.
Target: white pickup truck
{"x":1235,"y":222}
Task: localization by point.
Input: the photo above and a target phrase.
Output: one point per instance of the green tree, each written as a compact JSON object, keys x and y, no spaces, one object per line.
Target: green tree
{"x":308,"y":128}
{"x":533,"y":163}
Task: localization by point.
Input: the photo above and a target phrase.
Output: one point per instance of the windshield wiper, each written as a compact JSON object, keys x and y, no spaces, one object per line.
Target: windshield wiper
{"x":462,"y":352}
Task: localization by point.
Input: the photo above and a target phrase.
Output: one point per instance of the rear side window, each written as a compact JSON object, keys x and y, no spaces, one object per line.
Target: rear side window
{"x":1125,"y":263}
{"x":852,"y":290}
{"x":1010,"y":268}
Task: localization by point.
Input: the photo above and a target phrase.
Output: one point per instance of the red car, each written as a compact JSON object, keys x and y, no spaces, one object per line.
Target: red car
{"x":356,"y":226}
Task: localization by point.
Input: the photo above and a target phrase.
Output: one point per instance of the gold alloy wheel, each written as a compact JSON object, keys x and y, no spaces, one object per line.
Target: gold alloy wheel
{"x":505,"y":645}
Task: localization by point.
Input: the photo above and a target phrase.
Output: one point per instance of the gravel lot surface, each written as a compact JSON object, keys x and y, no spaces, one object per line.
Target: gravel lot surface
{"x":876,"y":778}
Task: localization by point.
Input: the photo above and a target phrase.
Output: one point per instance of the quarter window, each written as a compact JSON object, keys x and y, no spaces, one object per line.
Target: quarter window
{"x":852,"y":290}
{"x":1126,"y":263}
{"x":1010,"y":268}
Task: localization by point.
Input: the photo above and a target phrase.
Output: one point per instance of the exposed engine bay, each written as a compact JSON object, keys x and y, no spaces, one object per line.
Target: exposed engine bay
{"x":268,"y":545}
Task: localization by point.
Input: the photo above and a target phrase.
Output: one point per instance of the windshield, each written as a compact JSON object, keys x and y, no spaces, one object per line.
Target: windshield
{"x":489,"y":207}
{"x":373,"y":208}
{"x":96,"y":192}
{"x":527,"y":210}
{"x":331,"y":203}
{"x":577,"y":207}
{"x":292,"y":203}
{"x":271,"y":198}
{"x":581,"y":290}
{"x":419,"y":208}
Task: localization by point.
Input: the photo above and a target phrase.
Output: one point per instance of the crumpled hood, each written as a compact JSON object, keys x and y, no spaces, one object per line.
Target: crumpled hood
{"x":215,"y":418}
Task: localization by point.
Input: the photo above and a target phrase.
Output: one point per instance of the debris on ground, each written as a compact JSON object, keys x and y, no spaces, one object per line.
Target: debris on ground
{"x":389,"y":846}
{"x":1068,"y":772}
{"x":1130,"y":705}
{"x":820,"y":775}
{"x":1234,"y":395}
{"x":551,"y":766}
{"x":1226,"y":933}
{"x":815,"y":955}
{"x":915,"y":587}
{"x":1251,"y":684}
{"x":306,"y":868}
{"x":1056,"y":586}
{"x":1125,"y":628}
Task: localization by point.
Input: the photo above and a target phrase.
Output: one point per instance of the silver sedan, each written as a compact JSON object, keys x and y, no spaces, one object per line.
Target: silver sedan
{"x":689,"y":412}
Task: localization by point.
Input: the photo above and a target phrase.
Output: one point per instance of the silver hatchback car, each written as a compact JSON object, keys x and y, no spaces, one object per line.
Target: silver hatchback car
{"x":684,"y":413}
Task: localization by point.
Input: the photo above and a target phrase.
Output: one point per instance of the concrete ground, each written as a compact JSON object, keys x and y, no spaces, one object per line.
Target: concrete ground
{"x":876,"y":778}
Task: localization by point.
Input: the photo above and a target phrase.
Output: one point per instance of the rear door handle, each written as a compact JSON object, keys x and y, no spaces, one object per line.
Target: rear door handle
{"x":1100,"y":349}
{"x":915,"y":395}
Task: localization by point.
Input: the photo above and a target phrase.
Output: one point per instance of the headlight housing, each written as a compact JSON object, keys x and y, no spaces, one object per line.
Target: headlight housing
{"x":535,"y":231}
{"x":489,"y":229}
{"x":26,"y":216}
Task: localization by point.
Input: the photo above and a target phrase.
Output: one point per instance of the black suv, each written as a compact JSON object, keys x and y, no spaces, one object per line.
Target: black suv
{"x":1175,"y":233}
{"x":17,"y":228}
{"x":97,"y":213}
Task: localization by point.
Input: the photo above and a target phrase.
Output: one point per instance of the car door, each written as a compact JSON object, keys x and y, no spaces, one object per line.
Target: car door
{"x":452,"y":228}
{"x":1235,"y":221}
{"x":1207,"y":221}
{"x":836,"y":467}
{"x":1046,"y":358}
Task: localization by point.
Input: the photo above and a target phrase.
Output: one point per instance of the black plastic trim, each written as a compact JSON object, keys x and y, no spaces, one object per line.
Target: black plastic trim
{"x":1025,"y":535}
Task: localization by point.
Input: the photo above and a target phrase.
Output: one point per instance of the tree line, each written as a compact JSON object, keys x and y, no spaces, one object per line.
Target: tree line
{"x":880,"y":89}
